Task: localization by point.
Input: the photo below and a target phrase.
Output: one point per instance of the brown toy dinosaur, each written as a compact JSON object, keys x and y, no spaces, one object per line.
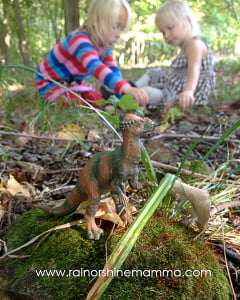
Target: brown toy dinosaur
{"x":107,"y":172}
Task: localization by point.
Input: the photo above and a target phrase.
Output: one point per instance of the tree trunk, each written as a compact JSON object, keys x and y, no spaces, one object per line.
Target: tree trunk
{"x":71,"y":13}
{"x":21,"y":34}
{"x":4,"y":35}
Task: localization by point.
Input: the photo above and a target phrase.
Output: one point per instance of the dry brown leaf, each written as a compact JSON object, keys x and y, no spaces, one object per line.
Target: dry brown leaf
{"x":22,"y":141}
{"x":159,"y":151}
{"x":107,"y":211}
{"x":200,"y":199}
{"x":161,"y":128}
{"x":93,"y":135}
{"x":71,"y":131}
{"x":33,"y":171}
{"x":15,"y":188}
{"x":4,"y":200}
{"x":2,"y":212}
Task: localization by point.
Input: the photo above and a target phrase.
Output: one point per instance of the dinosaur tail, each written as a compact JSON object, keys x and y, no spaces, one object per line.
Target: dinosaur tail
{"x":69,"y":206}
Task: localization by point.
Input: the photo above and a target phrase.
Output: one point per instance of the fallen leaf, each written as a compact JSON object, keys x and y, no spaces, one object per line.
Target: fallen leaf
{"x":93,"y":135}
{"x":32,"y":171}
{"x":22,"y":141}
{"x":107,"y":211}
{"x":71,"y":131}
{"x":159,"y":151}
{"x":15,"y":188}
{"x":2,"y":212}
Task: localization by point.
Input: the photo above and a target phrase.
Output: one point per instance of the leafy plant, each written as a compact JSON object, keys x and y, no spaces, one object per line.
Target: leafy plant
{"x":5,"y":155}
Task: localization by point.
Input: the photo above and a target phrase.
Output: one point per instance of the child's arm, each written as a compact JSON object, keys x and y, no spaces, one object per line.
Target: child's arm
{"x":137,"y":93}
{"x":110,"y":62}
{"x":195,"y":52}
{"x":109,"y":74}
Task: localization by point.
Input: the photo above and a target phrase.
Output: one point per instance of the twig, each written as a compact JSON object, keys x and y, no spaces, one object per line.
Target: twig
{"x":160,"y":136}
{"x":233,"y":256}
{"x":192,"y":136}
{"x":4,"y":245}
{"x":40,"y":137}
{"x":186,"y":172}
{"x":222,"y":206}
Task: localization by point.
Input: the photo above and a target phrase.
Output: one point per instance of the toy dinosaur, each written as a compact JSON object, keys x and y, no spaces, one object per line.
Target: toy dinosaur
{"x":106,"y":172}
{"x":172,"y":112}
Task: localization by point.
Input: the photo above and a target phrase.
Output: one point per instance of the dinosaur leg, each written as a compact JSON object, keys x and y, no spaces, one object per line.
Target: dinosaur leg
{"x":121,"y":202}
{"x":94,"y":232}
{"x":120,"y":198}
{"x":135,"y":184}
{"x":134,"y":180}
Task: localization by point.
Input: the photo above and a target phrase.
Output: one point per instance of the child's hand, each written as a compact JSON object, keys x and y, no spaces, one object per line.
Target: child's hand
{"x":186,"y":99}
{"x":137,"y":93}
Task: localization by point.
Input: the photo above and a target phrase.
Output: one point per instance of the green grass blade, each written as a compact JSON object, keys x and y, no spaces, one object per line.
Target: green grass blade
{"x":146,"y":160}
{"x":128,"y":240}
{"x":219,"y":142}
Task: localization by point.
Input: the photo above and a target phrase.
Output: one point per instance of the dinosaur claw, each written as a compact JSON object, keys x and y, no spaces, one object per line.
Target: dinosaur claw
{"x":95,"y":234}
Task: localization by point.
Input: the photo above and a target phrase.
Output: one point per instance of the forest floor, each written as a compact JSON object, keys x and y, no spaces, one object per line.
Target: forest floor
{"x":39,"y":167}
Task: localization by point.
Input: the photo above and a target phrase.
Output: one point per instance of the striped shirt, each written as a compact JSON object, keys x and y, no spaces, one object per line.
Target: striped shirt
{"x":74,"y":60}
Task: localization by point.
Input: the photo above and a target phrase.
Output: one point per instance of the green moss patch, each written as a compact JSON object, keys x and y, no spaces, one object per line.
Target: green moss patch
{"x":71,"y":261}
{"x":170,"y":266}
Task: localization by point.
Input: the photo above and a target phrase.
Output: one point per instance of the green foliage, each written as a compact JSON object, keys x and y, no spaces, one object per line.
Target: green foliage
{"x":44,"y":27}
{"x":5,"y":155}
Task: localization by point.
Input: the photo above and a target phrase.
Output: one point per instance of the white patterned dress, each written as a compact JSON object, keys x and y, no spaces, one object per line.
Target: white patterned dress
{"x":172,"y":80}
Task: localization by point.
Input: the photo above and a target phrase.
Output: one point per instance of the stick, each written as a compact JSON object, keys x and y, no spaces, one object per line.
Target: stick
{"x":192,"y":136}
{"x":186,"y":172}
{"x":222,"y":206}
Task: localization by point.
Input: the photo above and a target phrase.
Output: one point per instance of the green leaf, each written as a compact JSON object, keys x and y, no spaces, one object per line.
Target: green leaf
{"x":114,"y":100}
{"x":128,"y":103}
{"x":111,"y":118}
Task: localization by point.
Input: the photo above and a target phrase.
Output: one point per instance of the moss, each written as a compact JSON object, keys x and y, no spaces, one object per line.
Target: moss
{"x":167,"y":246}
{"x":163,"y":245}
{"x":67,"y":249}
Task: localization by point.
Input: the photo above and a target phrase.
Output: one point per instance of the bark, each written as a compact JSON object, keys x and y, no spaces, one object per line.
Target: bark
{"x":71,"y":14}
{"x":4,"y":35}
{"x":21,"y":34}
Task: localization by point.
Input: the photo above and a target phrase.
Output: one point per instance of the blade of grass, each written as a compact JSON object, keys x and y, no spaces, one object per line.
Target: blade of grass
{"x":146,"y":160}
{"x":128,"y":240}
{"x":187,"y":154}
{"x":219,"y":142}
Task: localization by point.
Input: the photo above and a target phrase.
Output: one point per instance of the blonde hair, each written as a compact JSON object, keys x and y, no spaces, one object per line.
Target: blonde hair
{"x":179,"y":12}
{"x":102,"y":16}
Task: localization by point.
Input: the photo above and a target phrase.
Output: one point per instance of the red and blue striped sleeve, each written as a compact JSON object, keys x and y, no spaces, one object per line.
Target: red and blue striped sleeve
{"x":103,"y":67}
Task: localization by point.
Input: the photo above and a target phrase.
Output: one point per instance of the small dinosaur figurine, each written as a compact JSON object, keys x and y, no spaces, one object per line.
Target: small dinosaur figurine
{"x":172,"y":112}
{"x":106,"y":172}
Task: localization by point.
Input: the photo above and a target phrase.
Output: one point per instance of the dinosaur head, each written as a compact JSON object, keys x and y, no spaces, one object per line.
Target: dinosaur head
{"x":136,"y":124}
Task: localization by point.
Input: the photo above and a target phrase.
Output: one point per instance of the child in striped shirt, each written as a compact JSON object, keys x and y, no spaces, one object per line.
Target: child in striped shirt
{"x":88,"y":52}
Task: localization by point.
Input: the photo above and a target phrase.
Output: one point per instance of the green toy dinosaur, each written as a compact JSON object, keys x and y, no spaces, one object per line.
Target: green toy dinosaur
{"x":172,"y":112}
